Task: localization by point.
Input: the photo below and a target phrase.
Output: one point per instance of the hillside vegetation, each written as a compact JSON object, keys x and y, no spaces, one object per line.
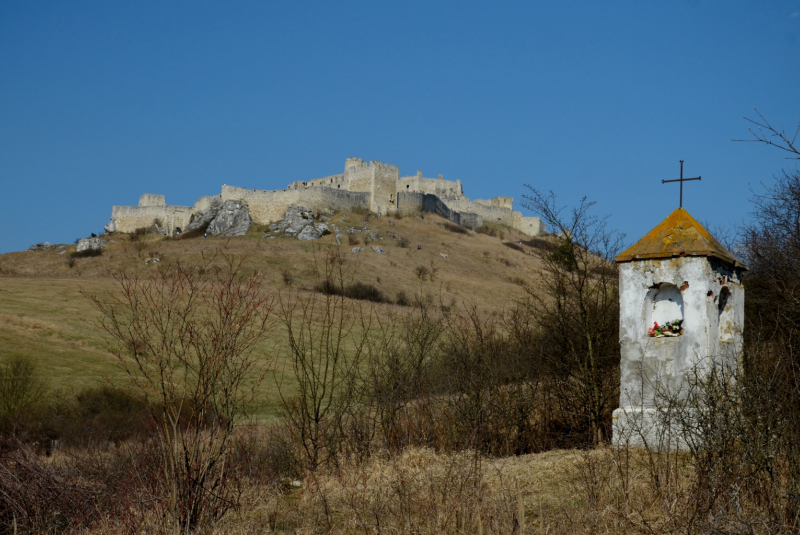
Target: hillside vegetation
{"x":45,"y":312}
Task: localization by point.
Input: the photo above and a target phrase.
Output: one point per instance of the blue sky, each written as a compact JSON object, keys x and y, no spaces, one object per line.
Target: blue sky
{"x":103,"y":101}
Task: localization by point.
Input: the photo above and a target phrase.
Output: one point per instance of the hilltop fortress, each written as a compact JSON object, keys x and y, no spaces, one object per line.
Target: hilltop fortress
{"x":374,"y":186}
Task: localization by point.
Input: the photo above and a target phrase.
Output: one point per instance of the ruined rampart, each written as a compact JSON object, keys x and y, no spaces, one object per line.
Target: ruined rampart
{"x":269,"y":206}
{"x":414,"y":203}
{"x":130,"y":218}
{"x":332,"y":181}
{"x":444,"y":189}
{"x":493,"y":214}
{"x":374,"y":186}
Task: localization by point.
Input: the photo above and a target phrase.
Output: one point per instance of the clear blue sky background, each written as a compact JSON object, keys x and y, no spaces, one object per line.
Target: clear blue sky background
{"x":103,"y":101}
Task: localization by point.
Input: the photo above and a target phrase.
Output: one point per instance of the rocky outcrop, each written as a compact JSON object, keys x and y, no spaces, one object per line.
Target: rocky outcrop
{"x":223,"y":218}
{"x":93,"y":244}
{"x":46,"y":246}
{"x":299,"y":221}
{"x":310,"y":232}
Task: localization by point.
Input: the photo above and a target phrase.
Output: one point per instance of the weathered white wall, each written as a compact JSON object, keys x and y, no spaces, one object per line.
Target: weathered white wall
{"x":151,"y":199}
{"x":444,"y":189}
{"x":652,"y":369}
{"x":269,"y":206}
{"x":130,"y":218}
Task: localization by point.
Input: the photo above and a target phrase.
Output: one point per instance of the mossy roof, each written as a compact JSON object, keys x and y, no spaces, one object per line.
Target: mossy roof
{"x":678,"y":235}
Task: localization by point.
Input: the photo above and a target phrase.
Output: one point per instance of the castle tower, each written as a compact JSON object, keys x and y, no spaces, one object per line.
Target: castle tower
{"x":681,"y":278}
{"x":376,"y":178}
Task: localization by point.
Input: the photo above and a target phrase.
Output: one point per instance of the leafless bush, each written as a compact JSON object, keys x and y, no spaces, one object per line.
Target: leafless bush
{"x":185,"y":337}
{"x":402,"y":299}
{"x":327,"y":335}
{"x":21,"y":387}
{"x":422,"y":272}
{"x":575,"y":311}
{"x":76,"y":491}
{"x":86,"y":253}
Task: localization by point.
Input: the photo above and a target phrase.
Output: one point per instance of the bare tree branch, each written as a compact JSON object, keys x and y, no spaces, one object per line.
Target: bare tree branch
{"x":764,"y":132}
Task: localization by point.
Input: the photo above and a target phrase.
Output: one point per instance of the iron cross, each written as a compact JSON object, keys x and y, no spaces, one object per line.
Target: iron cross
{"x":681,"y":180}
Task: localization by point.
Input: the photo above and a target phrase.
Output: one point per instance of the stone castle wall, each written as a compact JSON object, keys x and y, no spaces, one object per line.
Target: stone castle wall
{"x":409,"y":203}
{"x":497,"y":202}
{"x":151,"y":199}
{"x":444,"y":189}
{"x":376,"y":178}
{"x":130,"y":218}
{"x":492,"y":214}
{"x":332,"y":181}
{"x":375,"y":186}
{"x":269,"y":206}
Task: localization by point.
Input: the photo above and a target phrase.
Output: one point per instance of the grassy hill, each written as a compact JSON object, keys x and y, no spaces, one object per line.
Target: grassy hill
{"x":44,"y":314}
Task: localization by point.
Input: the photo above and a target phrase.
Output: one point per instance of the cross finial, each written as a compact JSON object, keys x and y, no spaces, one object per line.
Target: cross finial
{"x":681,"y":180}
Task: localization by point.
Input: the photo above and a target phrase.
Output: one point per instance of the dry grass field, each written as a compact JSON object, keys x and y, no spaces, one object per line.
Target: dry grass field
{"x":44,"y":312}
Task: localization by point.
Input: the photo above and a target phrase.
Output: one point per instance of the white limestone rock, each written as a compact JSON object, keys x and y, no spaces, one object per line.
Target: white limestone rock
{"x":86,"y":244}
{"x":310,"y":232}
{"x":227,"y":218}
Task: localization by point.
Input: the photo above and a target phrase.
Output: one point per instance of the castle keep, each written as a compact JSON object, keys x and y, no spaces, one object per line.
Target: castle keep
{"x":374,"y":186}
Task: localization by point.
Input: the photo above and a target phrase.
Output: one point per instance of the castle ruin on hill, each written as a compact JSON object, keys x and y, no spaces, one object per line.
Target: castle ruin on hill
{"x":374,"y":186}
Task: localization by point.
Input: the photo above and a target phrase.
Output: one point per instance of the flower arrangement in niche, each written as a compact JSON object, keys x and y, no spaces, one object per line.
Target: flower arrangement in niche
{"x":671,"y":328}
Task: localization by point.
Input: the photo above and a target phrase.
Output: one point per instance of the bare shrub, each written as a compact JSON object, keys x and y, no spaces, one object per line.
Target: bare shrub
{"x":417,"y":491}
{"x":353,"y":290}
{"x":288,"y":277}
{"x":87,"y":253}
{"x":327,"y":341}
{"x":422,"y":272}
{"x":402,"y":299}
{"x":352,"y":239}
{"x":264,"y":455}
{"x":137,"y":234}
{"x":575,"y":311}
{"x":21,"y":387}
{"x":76,"y":491}
{"x":185,"y":337}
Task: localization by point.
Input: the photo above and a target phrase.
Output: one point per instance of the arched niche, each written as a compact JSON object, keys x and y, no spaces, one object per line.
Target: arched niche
{"x":725,"y":311}
{"x":663,"y":304}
